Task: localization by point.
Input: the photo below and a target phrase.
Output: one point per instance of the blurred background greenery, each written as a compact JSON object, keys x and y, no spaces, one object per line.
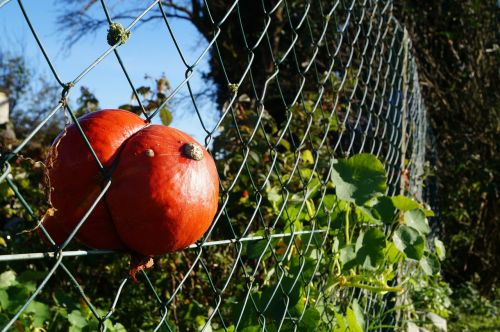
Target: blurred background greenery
{"x":457,"y":44}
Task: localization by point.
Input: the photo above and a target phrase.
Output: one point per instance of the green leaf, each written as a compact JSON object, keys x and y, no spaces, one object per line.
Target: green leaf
{"x":30,"y":275}
{"x":437,"y":321}
{"x":5,"y":190}
{"x":348,"y":257}
{"x":244,"y":311}
{"x":385,"y":209}
{"x":359,"y":178}
{"x":74,"y":328}
{"x":354,"y":316}
{"x":4,"y":300}
{"x":416,"y":219}
{"x":409,"y":241}
{"x":18,"y":295}
{"x":310,"y":320}
{"x":254,"y":328}
{"x":7,"y":279}
{"x":277,"y":303}
{"x":284,"y":143}
{"x":304,"y":268}
{"x":403,"y":203}
{"x":329,"y":201}
{"x":256,"y":248}
{"x":370,"y":248}
{"x":40,"y":311}
{"x":295,"y":212}
{"x":165,"y":116}
{"x":412,"y":327}
{"x":313,"y":187}
{"x":311,"y":209}
{"x":430,"y":264}
{"x":307,"y":156}
{"x":428,"y":213}
{"x":341,"y":325}
{"x":65,"y":300}
{"x":200,"y":323}
{"x":440,"y":249}
{"x":274,"y":195}
{"x":114,"y":327}
{"x":366,"y":214}
{"x":76,"y":319}
{"x":393,"y":255}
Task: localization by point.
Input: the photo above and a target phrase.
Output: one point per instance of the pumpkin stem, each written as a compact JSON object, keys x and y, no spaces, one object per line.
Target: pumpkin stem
{"x":138,"y":263}
{"x":192,"y":151}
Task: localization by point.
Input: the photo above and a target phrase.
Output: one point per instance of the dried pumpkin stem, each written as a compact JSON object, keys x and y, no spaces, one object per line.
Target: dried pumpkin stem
{"x":192,"y":151}
{"x":139,"y":263}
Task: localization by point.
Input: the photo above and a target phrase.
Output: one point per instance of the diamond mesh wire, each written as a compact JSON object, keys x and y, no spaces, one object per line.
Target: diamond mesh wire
{"x":308,"y":82}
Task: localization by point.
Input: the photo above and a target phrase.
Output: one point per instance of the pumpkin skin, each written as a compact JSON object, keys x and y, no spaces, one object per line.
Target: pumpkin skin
{"x":170,"y":198}
{"x":161,"y":198}
{"x":75,"y":181}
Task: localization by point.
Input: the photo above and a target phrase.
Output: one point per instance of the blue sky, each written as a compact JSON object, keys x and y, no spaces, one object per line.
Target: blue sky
{"x":149,"y":51}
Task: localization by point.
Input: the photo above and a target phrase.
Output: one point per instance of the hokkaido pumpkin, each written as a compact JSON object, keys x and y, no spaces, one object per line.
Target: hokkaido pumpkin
{"x":163,"y":193}
{"x":74,"y":179}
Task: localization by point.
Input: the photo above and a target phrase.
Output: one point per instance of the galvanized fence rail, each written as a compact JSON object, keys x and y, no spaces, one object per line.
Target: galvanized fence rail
{"x":308,"y":82}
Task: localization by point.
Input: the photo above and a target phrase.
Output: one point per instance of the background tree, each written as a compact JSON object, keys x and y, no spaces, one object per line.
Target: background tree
{"x":457,"y":46}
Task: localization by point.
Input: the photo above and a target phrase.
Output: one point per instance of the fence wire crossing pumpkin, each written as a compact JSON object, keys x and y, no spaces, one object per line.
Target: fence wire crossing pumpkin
{"x":164,"y":185}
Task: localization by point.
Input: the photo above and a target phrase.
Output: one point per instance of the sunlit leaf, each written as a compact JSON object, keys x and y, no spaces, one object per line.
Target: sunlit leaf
{"x":165,"y":116}
{"x":40,"y":312}
{"x":403,"y":203}
{"x":7,"y":279}
{"x":409,"y":241}
{"x":307,"y":156}
{"x":77,"y":319}
{"x":430,"y":264}
{"x":440,"y":249}
{"x":416,"y":219}
{"x":354,"y":316}
{"x":348,"y":257}
{"x":359,"y":178}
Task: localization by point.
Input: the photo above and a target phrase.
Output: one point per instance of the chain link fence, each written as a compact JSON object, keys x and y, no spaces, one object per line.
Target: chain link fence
{"x":298,"y":84}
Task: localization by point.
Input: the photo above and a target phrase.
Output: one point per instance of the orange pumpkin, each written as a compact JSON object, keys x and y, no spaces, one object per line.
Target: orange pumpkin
{"x":164,"y":185}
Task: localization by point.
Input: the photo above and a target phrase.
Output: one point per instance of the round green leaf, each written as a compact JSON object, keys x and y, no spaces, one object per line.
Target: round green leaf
{"x":385,"y":209}
{"x":359,"y":178}
{"x":430,"y":264}
{"x":403,"y":203}
{"x":348,"y":257}
{"x":416,"y":219}
{"x":310,"y":320}
{"x":7,"y":279}
{"x":370,"y":248}
{"x":76,"y":319}
{"x":4,"y":299}
{"x":40,"y":311}
{"x":354,"y":316}
{"x":440,"y":249}
{"x":409,"y":241}
{"x":165,"y":116}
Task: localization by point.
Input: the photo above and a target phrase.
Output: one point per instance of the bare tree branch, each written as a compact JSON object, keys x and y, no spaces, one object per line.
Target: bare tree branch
{"x":78,"y":22}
